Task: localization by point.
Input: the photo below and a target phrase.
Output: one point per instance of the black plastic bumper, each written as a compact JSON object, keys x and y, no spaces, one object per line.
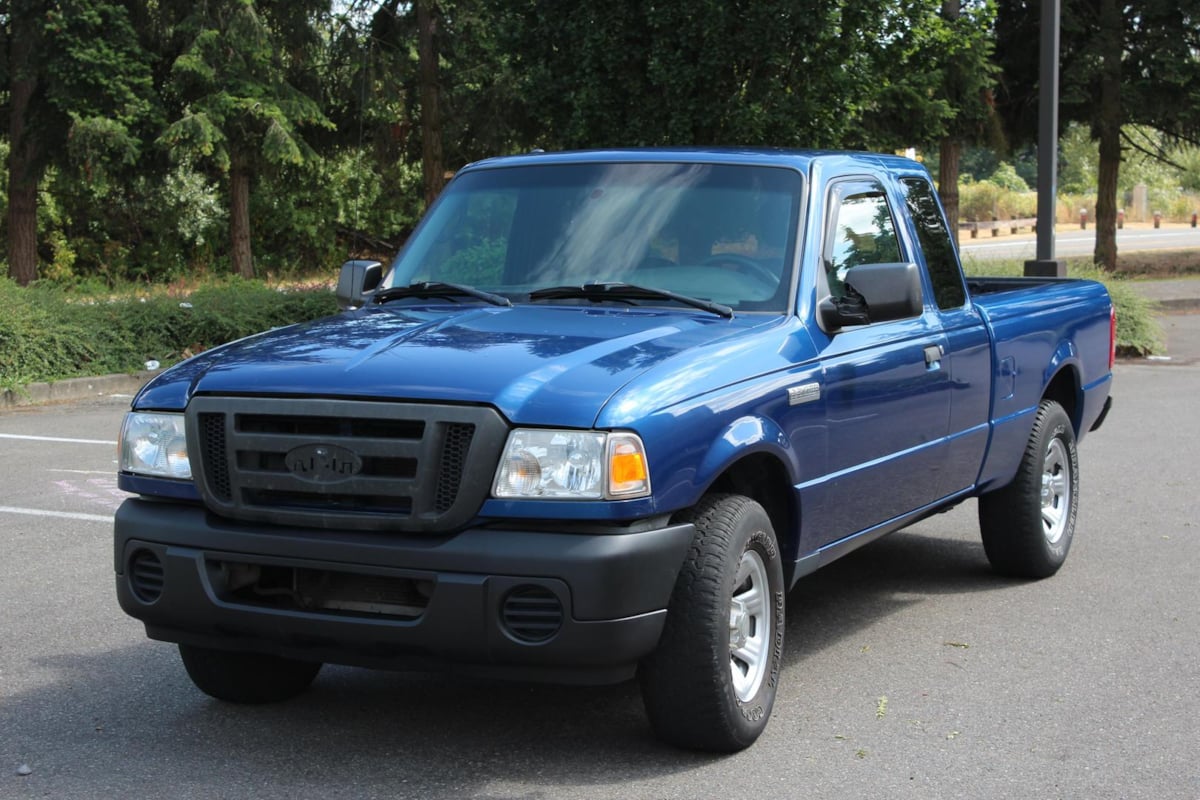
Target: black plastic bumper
{"x":612,"y":588}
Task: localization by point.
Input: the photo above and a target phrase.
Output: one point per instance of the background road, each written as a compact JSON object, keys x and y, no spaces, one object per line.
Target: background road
{"x":1074,"y":242}
{"x":910,"y":670}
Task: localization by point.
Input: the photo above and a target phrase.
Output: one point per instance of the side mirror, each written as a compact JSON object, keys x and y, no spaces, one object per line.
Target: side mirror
{"x":356,"y":281}
{"x":875,"y":293}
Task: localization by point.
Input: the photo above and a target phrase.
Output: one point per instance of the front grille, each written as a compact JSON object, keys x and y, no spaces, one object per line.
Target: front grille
{"x":344,"y":464}
{"x":212,"y":431}
{"x":454,"y":460}
{"x":284,"y":586}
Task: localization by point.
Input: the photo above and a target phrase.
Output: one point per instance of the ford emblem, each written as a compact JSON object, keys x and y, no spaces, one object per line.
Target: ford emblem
{"x":323,"y":463}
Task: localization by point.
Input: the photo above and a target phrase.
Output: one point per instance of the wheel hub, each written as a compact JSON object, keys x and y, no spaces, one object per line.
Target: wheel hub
{"x":1056,"y":491}
{"x":750,"y":623}
{"x":739,"y":624}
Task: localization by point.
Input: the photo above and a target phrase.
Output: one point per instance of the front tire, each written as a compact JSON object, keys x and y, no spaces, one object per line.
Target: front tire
{"x":251,"y":678}
{"x":711,"y":682}
{"x":1028,"y":526}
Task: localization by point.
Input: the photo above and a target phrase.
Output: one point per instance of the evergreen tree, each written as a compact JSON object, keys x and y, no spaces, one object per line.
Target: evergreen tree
{"x":245,"y":89}
{"x":79,"y":86}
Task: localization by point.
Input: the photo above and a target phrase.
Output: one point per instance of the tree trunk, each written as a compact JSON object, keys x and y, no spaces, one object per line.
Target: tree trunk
{"x":432,"y":166}
{"x":23,"y":169}
{"x":1108,"y":130}
{"x":950,"y":152}
{"x":239,"y":217}
{"x":948,"y":159}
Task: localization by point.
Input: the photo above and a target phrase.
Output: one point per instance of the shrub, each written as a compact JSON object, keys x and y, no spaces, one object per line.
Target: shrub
{"x":978,"y":202}
{"x":47,"y":333}
{"x":1006,"y":178}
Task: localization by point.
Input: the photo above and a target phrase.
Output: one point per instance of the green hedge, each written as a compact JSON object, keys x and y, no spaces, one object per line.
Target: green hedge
{"x":48,"y":334}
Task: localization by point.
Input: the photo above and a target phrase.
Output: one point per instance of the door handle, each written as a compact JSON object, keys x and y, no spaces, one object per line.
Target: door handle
{"x":933,"y":356}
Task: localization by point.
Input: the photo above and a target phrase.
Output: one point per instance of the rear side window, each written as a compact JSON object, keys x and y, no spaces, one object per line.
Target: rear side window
{"x":935,"y":242}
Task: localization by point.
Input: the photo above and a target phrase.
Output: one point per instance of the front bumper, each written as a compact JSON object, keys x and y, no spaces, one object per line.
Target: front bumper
{"x":610,"y":586}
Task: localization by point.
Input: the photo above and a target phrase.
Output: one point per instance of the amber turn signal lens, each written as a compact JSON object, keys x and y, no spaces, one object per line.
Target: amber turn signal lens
{"x":628,"y":467}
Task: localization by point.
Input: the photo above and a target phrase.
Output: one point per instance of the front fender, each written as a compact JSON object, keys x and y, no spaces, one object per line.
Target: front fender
{"x":743,"y":437}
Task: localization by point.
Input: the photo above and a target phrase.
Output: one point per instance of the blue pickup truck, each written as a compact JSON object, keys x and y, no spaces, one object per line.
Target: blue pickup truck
{"x":594,"y":421}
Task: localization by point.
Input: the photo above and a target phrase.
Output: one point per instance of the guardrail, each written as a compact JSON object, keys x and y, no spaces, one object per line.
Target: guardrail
{"x":995,"y":225}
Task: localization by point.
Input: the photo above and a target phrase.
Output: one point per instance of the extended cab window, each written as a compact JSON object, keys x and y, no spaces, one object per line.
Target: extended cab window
{"x":861,"y":230}
{"x":935,"y":241}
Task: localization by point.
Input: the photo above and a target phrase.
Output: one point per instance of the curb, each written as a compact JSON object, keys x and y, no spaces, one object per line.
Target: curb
{"x":35,"y":394}
{"x":1176,"y":305}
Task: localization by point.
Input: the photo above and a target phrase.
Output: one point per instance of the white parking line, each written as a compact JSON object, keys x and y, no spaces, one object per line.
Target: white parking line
{"x":56,"y":439}
{"x":37,"y":512}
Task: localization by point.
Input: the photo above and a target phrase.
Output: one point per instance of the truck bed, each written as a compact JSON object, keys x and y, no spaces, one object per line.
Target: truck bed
{"x":1057,"y":326}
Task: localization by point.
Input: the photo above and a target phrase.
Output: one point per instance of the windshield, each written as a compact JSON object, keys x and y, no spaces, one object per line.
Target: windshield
{"x":723,"y":233}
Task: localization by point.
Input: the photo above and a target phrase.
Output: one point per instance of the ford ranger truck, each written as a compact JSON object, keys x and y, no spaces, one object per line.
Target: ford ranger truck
{"x":598,"y":416}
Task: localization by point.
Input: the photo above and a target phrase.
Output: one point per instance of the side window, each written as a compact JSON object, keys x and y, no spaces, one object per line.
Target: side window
{"x":861,"y":231}
{"x":935,"y":241}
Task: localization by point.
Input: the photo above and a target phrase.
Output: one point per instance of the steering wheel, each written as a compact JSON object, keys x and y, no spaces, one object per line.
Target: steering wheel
{"x":741,"y":263}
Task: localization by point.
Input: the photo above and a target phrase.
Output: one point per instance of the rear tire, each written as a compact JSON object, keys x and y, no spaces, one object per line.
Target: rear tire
{"x":711,"y":682}
{"x":251,"y":678}
{"x":1028,"y":526}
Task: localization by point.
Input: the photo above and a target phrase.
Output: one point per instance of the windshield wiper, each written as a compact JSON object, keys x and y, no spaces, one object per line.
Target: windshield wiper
{"x":440,"y":289}
{"x":627,"y":291}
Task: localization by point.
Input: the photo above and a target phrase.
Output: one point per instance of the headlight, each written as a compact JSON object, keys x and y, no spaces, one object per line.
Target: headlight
{"x":572,"y":465}
{"x":155,"y":444}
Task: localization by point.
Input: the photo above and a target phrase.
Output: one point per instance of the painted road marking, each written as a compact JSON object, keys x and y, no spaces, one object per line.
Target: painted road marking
{"x":56,"y":439}
{"x":37,"y":512}
{"x":95,"y":491}
{"x":72,"y":441}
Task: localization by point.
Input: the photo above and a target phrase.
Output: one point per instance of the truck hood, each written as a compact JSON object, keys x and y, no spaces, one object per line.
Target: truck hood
{"x":550,"y":365}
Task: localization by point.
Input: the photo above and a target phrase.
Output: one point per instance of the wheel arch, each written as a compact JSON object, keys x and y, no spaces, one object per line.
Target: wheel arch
{"x":764,"y":477}
{"x":1065,"y":389}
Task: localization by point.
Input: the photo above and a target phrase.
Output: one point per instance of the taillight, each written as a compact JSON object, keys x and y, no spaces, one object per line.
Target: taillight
{"x":1112,"y":337}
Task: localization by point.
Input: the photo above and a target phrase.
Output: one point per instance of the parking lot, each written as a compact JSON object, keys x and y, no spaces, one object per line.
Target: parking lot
{"x":910,"y":670}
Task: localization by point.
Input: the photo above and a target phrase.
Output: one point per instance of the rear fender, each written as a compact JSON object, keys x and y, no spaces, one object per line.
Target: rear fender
{"x":1061,"y":381}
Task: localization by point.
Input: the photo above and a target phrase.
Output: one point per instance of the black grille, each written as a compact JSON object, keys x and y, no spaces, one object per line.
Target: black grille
{"x":454,"y":458}
{"x":212,"y":429}
{"x":283,"y":586}
{"x":345,"y":464}
{"x":531,"y":613}
{"x":146,"y":576}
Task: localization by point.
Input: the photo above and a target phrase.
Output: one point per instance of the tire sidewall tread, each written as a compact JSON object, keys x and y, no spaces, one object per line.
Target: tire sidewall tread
{"x":686,"y":683}
{"x":1010,"y":518}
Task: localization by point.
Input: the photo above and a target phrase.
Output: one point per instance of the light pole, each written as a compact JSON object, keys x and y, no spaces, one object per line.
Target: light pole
{"x":1047,"y":184}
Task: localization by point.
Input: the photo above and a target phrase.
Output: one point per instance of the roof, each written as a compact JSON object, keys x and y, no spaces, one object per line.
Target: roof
{"x":801,"y":160}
